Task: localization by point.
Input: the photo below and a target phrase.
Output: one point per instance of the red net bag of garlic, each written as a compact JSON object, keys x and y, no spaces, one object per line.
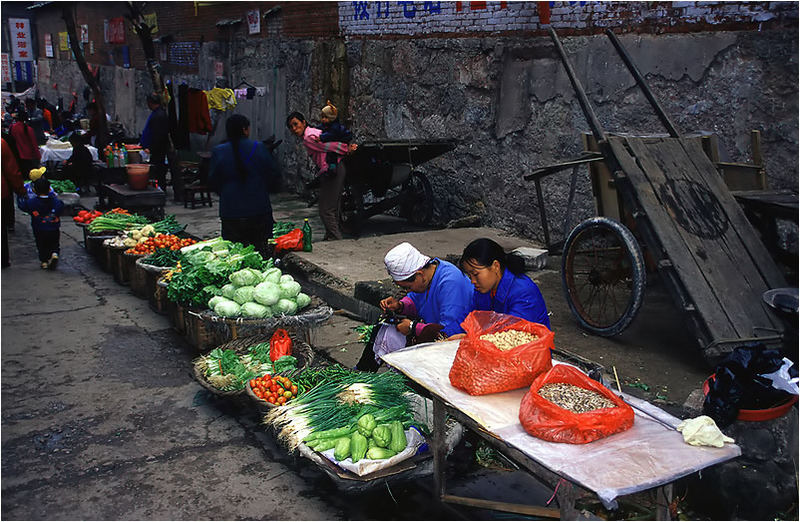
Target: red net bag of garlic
{"x":500,"y":353}
{"x":565,"y":405}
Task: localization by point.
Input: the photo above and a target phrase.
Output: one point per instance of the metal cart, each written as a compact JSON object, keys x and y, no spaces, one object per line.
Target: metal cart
{"x":381,"y":175}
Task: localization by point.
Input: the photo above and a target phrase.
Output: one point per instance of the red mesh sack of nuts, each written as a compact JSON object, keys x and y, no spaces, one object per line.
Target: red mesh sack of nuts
{"x":544,"y":419}
{"x":507,"y":358}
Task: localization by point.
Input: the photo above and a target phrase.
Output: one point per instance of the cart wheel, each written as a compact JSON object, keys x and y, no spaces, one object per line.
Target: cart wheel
{"x":417,"y":204}
{"x":603,"y":273}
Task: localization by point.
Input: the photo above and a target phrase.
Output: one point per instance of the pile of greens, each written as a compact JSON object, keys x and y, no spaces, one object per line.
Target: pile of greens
{"x":206,"y":267}
{"x":282,"y":227}
{"x":163,"y":257}
{"x":61,"y":186}
{"x":229,"y":371}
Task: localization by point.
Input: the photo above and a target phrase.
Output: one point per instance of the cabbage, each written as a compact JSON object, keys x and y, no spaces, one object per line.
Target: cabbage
{"x":244,"y":294}
{"x":258,"y":275}
{"x":267,"y":293}
{"x":227,"y":308}
{"x":273,"y":275}
{"x":289,"y":289}
{"x":244,"y":277}
{"x":285,"y":306}
{"x":214,"y":300}
{"x":302,"y":300}
{"x":228,"y":290}
{"x":255,"y":310}
{"x":286,"y":277}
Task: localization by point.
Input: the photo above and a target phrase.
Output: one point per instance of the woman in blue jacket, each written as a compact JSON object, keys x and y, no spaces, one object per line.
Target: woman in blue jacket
{"x":241,"y":172}
{"x":500,"y":282}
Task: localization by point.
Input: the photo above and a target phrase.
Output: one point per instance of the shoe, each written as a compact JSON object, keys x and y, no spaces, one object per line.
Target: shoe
{"x":53,"y":261}
{"x":44,"y":265}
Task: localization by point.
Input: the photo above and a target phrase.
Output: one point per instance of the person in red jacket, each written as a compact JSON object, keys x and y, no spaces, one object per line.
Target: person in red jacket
{"x":12,"y":182}
{"x":27,"y":146}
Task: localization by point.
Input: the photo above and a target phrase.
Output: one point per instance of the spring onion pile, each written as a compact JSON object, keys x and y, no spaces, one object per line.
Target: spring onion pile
{"x":116,"y":222}
{"x":339,"y":402}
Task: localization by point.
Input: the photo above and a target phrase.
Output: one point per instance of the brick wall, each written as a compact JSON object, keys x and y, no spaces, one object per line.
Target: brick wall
{"x":440,"y":18}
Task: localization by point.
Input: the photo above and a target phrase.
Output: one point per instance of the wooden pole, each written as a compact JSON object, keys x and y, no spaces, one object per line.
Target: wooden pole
{"x":594,"y":123}
{"x":662,"y":115}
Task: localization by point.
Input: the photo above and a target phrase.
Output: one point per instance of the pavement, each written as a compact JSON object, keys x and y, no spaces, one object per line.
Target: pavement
{"x":99,"y":401}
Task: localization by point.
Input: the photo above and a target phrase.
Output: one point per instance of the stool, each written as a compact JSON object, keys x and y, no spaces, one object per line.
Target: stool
{"x":202,"y":191}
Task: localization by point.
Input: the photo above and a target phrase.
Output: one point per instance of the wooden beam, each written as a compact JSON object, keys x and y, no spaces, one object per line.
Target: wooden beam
{"x":521,"y":509}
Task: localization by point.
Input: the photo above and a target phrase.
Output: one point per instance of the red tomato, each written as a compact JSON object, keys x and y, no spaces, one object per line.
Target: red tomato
{"x":273,"y":388}
{"x":253,"y":383}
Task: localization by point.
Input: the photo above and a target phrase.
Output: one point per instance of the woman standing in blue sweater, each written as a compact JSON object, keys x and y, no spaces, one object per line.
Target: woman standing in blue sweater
{"x":501,"y":284}
{"x":241,"y":172}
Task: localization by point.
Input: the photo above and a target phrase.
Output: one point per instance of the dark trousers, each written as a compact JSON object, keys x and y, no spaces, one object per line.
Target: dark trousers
{"x":47,"y":242}
{"x":330,"y":194}
{"x":158,"y":171}
{"x":249,"y":231}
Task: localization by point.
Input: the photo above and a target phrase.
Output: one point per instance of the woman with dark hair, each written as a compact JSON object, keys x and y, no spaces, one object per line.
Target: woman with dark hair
{"x":500,"y":282}
{"x":241,"y":172}
{"x":25,"y":141}
{"x":331,"y":184}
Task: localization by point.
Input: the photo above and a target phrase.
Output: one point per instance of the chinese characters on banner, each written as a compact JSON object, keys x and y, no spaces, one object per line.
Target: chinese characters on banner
{"x":21,"y":48}
{"x":48,"y":45}
{"x":85,"y":33}
{"x":254,"y":21}
{"x":63,"y":41}
{"x":6,"y":68}
{"x":115,"y":30}
{"x":152,"y":22}
{"x":219,"y":69}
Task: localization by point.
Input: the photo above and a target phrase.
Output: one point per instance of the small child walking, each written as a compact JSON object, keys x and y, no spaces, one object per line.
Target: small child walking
{"x":333,"y":130}
{"x":45,"y":209}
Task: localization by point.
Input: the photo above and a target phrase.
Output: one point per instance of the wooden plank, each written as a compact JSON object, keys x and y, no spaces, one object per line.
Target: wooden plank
{"x":747,"y":234}
{"x":439,"y":449}
{"x":706,"y":228}
{"x":522,"y":509}
{"x":672,"y":245}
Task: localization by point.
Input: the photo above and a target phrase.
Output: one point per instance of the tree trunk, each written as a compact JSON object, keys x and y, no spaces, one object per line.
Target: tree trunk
{"x":145,"y":36}
{"x":68,"y":13}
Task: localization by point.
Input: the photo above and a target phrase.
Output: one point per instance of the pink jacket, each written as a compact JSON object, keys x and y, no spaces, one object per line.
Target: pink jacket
{"x":317,"y":149}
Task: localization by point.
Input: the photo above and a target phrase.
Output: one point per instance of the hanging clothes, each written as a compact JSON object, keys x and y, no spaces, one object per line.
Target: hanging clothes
{"x":221,"y":99}
{"x":199,"y":118}
{"x":182,"y":134}
{"x":173,"y":116}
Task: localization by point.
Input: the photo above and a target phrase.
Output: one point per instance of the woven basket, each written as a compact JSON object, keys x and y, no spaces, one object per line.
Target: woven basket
{"x":177,"y":316}
{"x":300,"y":350}
{"x":136,"y":276}
{"x":152,"y":291}
{"x":114,"y":263}
{"x":94,"y":246}
{"x":313,"y":315}
{"x":160,"y":303}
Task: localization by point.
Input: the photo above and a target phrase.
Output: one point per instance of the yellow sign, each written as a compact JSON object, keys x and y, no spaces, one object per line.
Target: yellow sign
{"x":152,"y":22}
{"x":63,"y":41}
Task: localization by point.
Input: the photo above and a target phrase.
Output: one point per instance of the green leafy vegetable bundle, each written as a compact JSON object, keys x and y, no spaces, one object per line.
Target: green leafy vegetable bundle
{"x":61,"y":186}
{"x":228,"y":371}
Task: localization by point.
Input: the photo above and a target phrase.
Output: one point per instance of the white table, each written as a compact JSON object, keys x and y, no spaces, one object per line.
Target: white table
{"x":651,"y":454}
{"x":58,"y":155}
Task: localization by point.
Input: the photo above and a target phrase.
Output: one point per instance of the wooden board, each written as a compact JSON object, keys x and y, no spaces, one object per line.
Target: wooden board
{"x":723,"y":267}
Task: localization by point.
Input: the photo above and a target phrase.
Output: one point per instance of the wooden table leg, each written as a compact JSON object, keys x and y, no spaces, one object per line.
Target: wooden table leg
{"x":439,"y":450}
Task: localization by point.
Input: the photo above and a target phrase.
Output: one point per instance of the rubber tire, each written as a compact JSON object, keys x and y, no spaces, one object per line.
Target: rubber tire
{"x":419,"y":211}
{"x":638,"y":274}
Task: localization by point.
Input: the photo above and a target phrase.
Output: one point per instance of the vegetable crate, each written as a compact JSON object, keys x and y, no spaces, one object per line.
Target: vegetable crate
{"x":202,"y":335}
{"x":158,"y":300}
{"x":94,"y":245}
{"x":148,"y":276}
{"x":114,"y":261}
{"x":177,"y":315}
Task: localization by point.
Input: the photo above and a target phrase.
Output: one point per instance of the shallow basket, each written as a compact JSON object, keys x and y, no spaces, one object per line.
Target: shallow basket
{"x":300,"y":350}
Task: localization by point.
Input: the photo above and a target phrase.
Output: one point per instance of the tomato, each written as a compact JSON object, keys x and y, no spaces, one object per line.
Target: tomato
{"x":258,"y":393}
{"x":252,"y":383}
{"x":287,"y":394}
{"x":268,"y":382}
{"x":273,"y":388}
{"x":271,"y":400}
{"x":294,"y":389}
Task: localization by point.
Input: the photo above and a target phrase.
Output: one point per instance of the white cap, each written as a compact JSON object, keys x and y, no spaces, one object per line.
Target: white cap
{"x":403,"y":260}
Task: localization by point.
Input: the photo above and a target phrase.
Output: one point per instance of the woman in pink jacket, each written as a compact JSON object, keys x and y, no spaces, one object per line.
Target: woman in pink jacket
{"x":330,"y":185}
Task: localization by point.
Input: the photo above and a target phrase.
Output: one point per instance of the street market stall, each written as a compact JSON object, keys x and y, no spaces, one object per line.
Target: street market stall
{"x":650,"y":454}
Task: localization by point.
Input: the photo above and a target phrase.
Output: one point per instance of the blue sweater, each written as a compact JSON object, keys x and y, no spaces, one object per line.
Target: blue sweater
{"x":448,"y":299}
{"x":516,"y":295}
{"x":242,"y":199}
{"x":44,"y":211}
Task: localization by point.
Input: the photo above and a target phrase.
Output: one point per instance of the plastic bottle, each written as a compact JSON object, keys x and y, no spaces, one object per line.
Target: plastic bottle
{"x":306,"y":236}
{"x":124,"y":156}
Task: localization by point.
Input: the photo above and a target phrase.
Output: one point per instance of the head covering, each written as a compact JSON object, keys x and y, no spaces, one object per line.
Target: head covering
{"x":403,"y":260}
{"x":329,"y":111}
{"x":36,"y":173}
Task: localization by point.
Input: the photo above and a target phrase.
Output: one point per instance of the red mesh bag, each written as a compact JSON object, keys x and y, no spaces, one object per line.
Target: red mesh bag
{"x":545,"y":420}
{"x":292,"y":241}
{"x":481,"y":368}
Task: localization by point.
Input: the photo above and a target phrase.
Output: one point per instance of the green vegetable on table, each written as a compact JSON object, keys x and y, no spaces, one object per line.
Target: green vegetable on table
{"x":366,"y":424}
{"x":342,"y":449}
{"x":61,"y":186}
{"x":378,"y":453}
{"x":358,"y":446}
{"x":285,"y":364}
{"x":399,"y":441}
{"x":382,"y":435}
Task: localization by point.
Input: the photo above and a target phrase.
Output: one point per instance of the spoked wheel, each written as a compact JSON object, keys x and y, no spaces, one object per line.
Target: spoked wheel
{"x":604,"y":277}
{"x":417,"y":204}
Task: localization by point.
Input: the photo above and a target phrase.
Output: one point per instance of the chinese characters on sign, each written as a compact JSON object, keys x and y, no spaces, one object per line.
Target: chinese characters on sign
{"x":254,"y":21}
{"x":85,"y":33}
{"x":21,"y":47}
{"x":63,"y":41}
{"x":115,"y":30}
{"x":6,"y":68}
{"x":48,"y":45}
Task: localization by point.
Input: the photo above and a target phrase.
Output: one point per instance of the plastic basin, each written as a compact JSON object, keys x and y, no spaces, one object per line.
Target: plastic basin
{"x":758,"y":415}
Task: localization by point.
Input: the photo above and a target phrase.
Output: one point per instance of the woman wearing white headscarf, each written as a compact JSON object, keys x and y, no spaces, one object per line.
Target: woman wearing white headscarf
{"x":439,"y":298}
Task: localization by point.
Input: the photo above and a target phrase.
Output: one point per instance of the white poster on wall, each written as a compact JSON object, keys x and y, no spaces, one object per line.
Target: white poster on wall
{"x":85,"y":33}
{"x":48,"y":45}
{"x":254,"y":21}
{"x":6,"y":68}
{"x":21,"y":47}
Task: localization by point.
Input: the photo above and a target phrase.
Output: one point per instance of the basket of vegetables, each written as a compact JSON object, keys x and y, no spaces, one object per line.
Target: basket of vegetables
{"x":113,"y":249}
{"x":150,"y":273}
{"x":271,"y":391}
{"x":227,"y":369}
